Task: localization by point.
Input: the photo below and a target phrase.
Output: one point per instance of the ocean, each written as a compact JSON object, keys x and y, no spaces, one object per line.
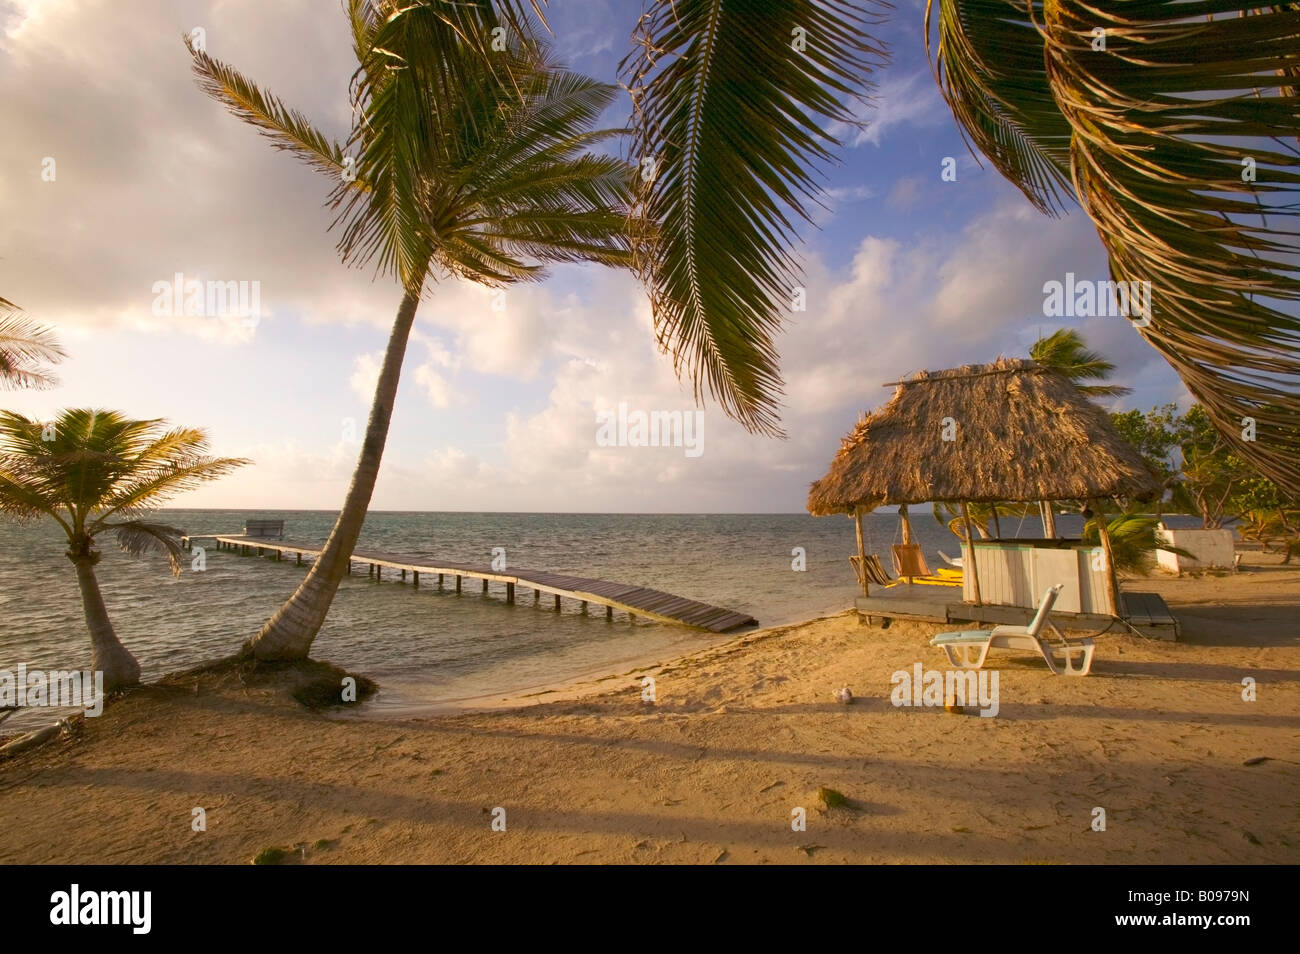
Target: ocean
{"x":431,"y":649}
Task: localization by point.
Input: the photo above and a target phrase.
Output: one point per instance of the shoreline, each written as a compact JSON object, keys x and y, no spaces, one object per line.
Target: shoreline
{"x":741,"y":734}
{"x":585,"y":685}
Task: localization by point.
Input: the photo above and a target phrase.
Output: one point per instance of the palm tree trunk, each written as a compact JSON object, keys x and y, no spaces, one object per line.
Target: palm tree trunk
{"x":290,"y":632}
{"x":107,"y":654}
{"x":1049,"y":519}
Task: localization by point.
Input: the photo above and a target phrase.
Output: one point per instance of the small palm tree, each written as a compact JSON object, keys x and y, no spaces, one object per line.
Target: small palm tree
{"x":25,"y":349}
{"x":93,"y":472}
{"x":1066,"y":352}
{"x":1133,"y":542}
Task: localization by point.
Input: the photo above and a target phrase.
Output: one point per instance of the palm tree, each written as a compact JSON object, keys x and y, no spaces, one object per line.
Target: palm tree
{"x":468,"y":162}
{"x":1173,"y":125}
{"x":1065,"y":352}
{"x":25,"y":348}
{"x":93,"y":472}
{"x":736,"y":107}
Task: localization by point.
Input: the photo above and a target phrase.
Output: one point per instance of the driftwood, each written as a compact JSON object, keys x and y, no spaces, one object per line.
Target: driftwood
{"x":31,"y":740}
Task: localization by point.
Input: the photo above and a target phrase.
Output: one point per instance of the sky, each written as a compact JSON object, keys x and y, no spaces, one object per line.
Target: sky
{"x":500,"y":401}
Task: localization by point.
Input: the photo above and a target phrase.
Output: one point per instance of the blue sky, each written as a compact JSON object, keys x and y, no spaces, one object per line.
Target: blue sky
{"x":497,"y":408}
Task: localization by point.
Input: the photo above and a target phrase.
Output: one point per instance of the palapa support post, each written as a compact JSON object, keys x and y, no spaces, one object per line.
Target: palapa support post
{"x":415,"y":578}
{"x":557,"y":602}
{"x":403,"y":576}
{"x":584,"y":607}
{"x":439,"y":581}
{"x":299,"y":559}
{"x":510,"y":592}
{"x":458,"y":585}
{"x":862,"y":555}
{"x":970,"y":546}
{"x":1049,"y":519}
{"x":1112,"y":581}
{"x":907,"y":524}
{"x":485,"y":587}
{"x":609,"y":614}
{"x":537,"y":595}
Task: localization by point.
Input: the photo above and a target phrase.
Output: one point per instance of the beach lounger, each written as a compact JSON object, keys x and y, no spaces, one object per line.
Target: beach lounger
{"x":909,"y":561}
{"x":968,"y":649}
{"x":951,"y":561}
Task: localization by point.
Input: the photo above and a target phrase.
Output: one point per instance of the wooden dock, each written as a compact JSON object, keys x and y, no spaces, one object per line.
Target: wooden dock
{"x":633,"y":600}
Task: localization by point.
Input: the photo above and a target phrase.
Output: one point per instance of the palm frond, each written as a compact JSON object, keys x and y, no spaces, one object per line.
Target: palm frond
{"x":989,"y":66}
{"x":1188,"y":95}
{"x":140,"y":538}
{"x":285,"y":127}
{"x":26,"y":347}
{"x":730,"y":123}
{"x":155,"y":482}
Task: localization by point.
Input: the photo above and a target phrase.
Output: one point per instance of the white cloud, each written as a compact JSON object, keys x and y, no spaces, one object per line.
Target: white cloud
{"x":900,"y":101}
{"x":365,"y":376}
{"x":436,"y":388}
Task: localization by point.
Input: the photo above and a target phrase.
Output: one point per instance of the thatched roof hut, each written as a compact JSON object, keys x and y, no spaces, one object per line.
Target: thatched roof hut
{"x":1012,"y":430}
{"x":1016,"y":431}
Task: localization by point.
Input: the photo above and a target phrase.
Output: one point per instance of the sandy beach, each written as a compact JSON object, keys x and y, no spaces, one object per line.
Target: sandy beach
{"x":739,"y":736}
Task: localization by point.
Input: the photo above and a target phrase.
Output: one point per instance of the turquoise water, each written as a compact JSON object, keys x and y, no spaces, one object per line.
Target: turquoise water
{"x":429,"y":648}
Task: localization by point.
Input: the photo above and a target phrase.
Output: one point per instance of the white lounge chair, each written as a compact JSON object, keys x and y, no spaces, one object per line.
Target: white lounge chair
{"x":969,"y":648}
{"x":951,"y":561}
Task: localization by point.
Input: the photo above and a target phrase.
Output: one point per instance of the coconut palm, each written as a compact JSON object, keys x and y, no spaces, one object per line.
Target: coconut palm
{"x":1133,"y":542}
{"x":467,"y":163}
{"x":95,"y":472}
{"x":25,"y":349}
{"x":1065,"y":351}
{"x":736,"y":106}
{"x":463,"y":161}
{"x":1173,"y":124}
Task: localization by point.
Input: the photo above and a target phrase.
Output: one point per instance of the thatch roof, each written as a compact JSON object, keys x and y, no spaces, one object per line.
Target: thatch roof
{"x":1022,"y":432}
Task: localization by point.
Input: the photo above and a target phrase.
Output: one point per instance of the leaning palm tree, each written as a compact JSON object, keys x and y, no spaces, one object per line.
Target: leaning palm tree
{"x":94,"y":472}
{"x":737,"y":106}
{"x":25,"y":349}
{"x":1173,"y":124}
{"x":1065,"y":352}
{"x":467,"y":163}
{"x":463,"y":162}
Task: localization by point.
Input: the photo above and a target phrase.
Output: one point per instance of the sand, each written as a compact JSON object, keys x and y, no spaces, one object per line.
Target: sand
{"x":740,"y":736}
